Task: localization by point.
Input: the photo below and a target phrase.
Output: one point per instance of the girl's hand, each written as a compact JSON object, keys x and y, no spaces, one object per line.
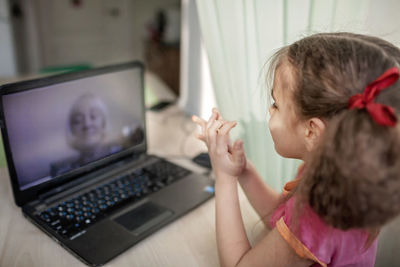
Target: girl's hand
{"x":225,"y":157}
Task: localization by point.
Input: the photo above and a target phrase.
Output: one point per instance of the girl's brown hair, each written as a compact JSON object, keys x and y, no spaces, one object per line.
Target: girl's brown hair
{"x":353,"y":178}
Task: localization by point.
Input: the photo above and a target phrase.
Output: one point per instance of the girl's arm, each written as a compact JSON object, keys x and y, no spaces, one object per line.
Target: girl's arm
{"x":261,"y":196}
{"x":233,"y":245}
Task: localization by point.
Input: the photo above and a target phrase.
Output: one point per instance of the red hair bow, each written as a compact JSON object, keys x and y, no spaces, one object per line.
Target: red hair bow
{"x":382,"y":114}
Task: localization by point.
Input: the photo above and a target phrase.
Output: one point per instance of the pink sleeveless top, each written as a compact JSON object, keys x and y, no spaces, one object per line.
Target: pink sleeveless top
{"x":311,"y":238}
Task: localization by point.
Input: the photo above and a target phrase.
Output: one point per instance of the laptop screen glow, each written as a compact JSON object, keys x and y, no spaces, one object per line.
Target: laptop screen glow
{"x":56,"y":129}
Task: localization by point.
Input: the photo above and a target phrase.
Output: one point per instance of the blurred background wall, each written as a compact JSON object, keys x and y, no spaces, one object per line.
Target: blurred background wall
{"x":7,"y":55}
{"x":43,"y":36}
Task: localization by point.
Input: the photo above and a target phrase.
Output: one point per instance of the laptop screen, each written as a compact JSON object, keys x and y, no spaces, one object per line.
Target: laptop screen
{"x":56,"y":129}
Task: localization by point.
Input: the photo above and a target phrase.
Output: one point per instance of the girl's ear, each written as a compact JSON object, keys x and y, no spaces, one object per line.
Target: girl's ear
{"x":315,"y":128}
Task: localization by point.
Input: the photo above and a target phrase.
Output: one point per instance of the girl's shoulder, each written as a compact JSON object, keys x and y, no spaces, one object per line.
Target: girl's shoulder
{"x":312,"y":238}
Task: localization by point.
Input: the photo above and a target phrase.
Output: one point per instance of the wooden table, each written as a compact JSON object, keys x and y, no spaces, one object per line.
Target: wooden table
{"x":189,"y":241}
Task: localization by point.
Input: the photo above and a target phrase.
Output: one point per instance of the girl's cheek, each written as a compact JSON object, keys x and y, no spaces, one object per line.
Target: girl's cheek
{"x":271,"y":125}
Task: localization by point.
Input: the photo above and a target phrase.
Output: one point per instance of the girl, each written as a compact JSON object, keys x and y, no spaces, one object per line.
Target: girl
{"x":336,"y":102}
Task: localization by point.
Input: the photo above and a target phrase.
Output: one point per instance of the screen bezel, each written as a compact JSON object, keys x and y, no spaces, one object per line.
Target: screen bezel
{"x":22,"y":197}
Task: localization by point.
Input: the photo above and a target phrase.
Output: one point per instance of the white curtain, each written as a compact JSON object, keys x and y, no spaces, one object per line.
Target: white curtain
{"x":239,"y":37}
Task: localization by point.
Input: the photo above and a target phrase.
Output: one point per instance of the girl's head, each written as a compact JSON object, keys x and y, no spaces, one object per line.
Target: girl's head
{"x":352,"y":177}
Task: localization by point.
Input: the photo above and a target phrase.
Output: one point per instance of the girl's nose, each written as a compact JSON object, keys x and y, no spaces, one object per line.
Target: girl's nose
{"x":271,"y":110}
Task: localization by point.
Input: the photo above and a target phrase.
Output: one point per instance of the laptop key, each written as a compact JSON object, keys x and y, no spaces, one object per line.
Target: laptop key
{"x":45,"y":217}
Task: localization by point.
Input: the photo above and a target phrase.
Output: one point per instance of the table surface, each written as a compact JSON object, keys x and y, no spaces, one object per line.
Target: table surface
{"x":189,"y":241}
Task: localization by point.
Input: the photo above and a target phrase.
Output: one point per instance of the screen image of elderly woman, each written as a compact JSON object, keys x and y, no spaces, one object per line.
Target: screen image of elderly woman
{"x":87,"y":134}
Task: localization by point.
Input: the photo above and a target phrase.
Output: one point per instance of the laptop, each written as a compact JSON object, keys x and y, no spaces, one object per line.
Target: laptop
{"x":76,"y":150}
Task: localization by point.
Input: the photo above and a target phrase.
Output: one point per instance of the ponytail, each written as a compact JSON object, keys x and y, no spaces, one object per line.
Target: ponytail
{"x":353,"y":179}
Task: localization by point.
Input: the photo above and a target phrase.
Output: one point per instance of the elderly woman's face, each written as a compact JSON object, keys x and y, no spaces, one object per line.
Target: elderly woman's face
{"x":87,"y":123}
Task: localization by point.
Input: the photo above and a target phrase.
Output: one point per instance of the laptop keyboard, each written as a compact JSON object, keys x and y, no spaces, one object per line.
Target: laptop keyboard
{"x":71,"y":217}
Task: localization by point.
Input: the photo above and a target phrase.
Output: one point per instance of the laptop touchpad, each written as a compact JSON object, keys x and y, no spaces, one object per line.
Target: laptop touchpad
{"x":143,"y":217}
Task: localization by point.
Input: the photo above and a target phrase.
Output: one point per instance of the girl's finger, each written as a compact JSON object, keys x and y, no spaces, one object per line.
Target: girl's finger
{"x":199,"y":121}
{"x":225,"y":128}
{"x":213,"y":117}
{"x":223,"y":139}
{"x":212,"y":132}
{"x":219,"y":116}
{"x":215,"y":126}
{"x":201,"y":137}
{"x":230,"y":146}
{"x":202,"y":123}
{"x":238,"y":153}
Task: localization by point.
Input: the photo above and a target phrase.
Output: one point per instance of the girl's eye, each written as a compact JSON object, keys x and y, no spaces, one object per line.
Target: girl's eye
{"x":274,"y":106}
